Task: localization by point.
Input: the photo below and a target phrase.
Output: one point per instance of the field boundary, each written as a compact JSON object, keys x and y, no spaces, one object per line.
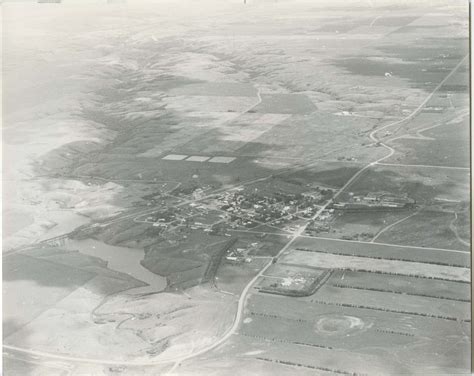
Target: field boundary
{"x":345,"y":286}
{"x":450,"y":318}
{"x":382,"y":258}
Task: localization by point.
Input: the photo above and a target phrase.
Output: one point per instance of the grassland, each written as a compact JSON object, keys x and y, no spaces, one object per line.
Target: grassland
{"x":420,"y":230}
{"x":423,"y":185}
{"x":232,"y":278}
{"x":442,"y":146}
{"x":292,"y":94}
{"x":362,"y":225}
{"x":94,"y":306}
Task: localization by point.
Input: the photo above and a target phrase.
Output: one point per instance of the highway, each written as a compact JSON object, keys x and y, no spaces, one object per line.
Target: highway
{"x":300,"y":231}
{"x":359,"y":241}
{"x":244,"y":295}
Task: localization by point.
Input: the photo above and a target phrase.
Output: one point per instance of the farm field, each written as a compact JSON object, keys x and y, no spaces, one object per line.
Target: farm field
{"x":425,"y":306}
{"x":383,"y":251}
{"x":268,"y":246}
{"x":448,"y":142}
{"x":86,"y":307}
{"x":358,"y":327}
{"x":177,"y":177}
{"x":401,"y":285}
{"x":427,"y":229}
{"x":233,"y":278}
{"x":362,"y":225}
{"x":374,"y":308}
{"x":420,"y":184}
{"x":409,"y":268}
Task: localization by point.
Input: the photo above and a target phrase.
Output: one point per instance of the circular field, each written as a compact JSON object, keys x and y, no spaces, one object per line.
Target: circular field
{"x":337,"y":325}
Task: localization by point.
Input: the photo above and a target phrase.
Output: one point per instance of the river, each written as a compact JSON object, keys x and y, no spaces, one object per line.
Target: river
{"x":121,"y":259}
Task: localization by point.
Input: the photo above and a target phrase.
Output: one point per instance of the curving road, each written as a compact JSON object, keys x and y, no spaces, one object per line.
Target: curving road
{"x":243,"y":297}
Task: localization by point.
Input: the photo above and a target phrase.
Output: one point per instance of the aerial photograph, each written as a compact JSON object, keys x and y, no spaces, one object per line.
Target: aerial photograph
{"x":236,"y":187}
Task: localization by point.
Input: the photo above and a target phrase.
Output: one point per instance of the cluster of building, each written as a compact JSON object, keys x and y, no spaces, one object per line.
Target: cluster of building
{"x":163,"y":218}
{"x":180,"y":217}
{"x":240,"y":254}
{"x":245,"y":207}
{"x":375,"y":201}
{"x":322,"y":224}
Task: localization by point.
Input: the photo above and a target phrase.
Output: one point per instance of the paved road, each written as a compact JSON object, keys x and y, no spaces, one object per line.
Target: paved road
{"x":243,"y":296}
{"x":359,"y":241}
{"x":301,"y":230}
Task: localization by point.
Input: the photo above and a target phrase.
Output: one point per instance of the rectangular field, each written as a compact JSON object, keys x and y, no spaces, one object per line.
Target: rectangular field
{"x":309,"y":328}
{"x":387,"y":301}
{"x":385,"y":251}
{"x":448,"y":290}
{"x":314,"y":334}
{"x":285,"y":104}
{"x":331,"y":261}
{"x":427,"y":229}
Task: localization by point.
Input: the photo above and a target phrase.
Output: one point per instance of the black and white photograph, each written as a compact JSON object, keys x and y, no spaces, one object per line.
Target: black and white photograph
{"x":236,"y":187}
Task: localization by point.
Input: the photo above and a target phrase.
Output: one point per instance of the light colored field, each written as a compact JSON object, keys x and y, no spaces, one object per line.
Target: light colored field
{"x":47,"y":224}
{"x":19,"y":366}
{"x":245,"y":133}
{"x":330,"y":261}
{"x":330,"y":359}
{"x":197,"y":158}
{"x":18,"y":219}
{"x":373,"y":30}
{"x":387,"y":251}
{"x":230,"y":363}
{"x":401,"y":284}
{"x":86,"y":324}
{"x":221,"y":159}
{"x":282,"y":271}
{"x":269,"y":118}
{"x":69,"y":78}
{"x":174,"y":157}
{"x":31,"y":286}
{"x":285,"y":104}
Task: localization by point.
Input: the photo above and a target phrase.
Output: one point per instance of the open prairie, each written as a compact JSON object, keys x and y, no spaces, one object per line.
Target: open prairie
{"x":236,"y":187}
